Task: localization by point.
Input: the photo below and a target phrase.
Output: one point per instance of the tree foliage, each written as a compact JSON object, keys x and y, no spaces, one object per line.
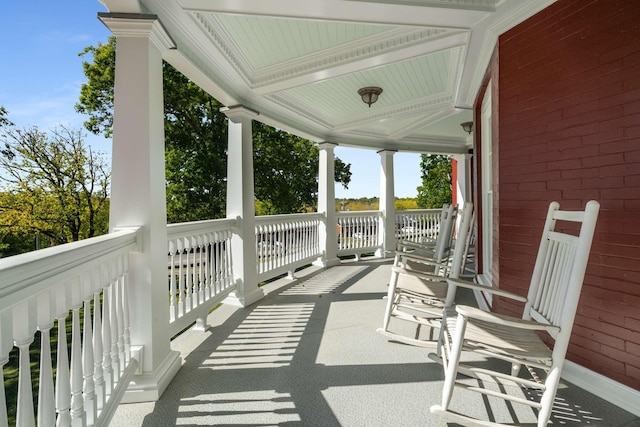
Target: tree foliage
{"x":285,"y":166}
{"x":53,"y":187}
{"x":436,"y":181}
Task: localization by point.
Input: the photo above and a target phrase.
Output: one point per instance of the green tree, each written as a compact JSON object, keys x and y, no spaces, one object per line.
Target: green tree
{"x":285,"y":166}
{"x":286,"y":171}
{"x":53,"y":187}
{"x":436,"y":181}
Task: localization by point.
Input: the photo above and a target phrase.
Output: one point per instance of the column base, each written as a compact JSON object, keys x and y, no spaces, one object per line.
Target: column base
{"x":321,"y":262}
{"x":148,"y":387}
{"x":238,"y":300}
{"x":380,"y":253}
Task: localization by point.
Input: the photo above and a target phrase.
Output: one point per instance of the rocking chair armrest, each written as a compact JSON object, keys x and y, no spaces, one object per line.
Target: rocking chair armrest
{"x":474,"y":286}
{"x":501,"y":319}
{"x":415,"y":245}
{"x":420,"y":258}
{"x":420,"y":275}
{"x":424,"y":259}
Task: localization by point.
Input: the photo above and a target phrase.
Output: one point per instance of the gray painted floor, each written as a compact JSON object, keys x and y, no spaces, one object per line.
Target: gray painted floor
{"x":308,"y":355}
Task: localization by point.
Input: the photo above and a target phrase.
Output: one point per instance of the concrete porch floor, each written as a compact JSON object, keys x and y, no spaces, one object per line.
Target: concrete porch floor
{"x":308,"y":355}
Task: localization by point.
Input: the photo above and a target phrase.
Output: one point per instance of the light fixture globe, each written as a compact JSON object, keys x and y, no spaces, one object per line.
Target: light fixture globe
{"x":369,"y":94}
{"x":467,"y":127}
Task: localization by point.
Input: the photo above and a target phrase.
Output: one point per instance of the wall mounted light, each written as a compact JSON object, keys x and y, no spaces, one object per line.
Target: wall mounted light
{"x":369,"y":94}
{"x":467,"y":127}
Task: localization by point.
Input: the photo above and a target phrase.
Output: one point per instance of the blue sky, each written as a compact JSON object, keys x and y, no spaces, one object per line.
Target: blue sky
{"x":41,"y":74}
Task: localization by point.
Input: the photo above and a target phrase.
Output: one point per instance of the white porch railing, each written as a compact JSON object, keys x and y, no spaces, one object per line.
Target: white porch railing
{"x":286,"y":242}
{"x":199,"y":270}
{"x":88,"y":279}
{"x":418,"y":225}
{"x":39,"y":289}
{"x":358,"y":232}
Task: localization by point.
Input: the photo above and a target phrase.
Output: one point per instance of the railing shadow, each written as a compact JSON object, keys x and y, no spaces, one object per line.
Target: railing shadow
{"x":261,"y":367}
{"x":308,"y":355}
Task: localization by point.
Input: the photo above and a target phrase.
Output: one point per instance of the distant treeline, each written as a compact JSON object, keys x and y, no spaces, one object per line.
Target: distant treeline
{"x":373,"y":203}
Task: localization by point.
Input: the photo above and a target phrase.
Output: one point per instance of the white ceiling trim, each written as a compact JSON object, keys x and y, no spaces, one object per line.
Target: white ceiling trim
{"x":346,"y":11}
{"x":372,"y":57}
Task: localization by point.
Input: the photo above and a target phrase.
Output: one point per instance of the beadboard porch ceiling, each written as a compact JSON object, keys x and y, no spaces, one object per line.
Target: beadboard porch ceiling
{"x":300,"y":63}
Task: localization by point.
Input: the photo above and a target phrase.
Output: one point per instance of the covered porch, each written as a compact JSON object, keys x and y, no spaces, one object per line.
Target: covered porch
{"x":308,"y":354}
{"x":303,"y":349}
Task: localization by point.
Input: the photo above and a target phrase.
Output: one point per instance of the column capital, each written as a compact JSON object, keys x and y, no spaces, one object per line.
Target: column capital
{"x":326,"y":145}
{"x":387,"y":152}
{"x":237,"y":112}
{"x":138,"y":25}
{"x":465,"y":156}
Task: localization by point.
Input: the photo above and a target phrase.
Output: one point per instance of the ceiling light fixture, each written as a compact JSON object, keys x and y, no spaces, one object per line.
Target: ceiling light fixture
{"x":369,"y":94}
{"x":467,"y":126}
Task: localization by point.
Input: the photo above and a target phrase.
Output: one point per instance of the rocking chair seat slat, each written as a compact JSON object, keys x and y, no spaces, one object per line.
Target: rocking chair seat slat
{"x":501,"y":338}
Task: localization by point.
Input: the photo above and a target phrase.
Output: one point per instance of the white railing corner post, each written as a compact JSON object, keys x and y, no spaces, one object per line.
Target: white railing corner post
{"x":138,"y":199}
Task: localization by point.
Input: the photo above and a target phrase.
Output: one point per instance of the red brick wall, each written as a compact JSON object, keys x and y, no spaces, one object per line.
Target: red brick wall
{"x":569,"y":130}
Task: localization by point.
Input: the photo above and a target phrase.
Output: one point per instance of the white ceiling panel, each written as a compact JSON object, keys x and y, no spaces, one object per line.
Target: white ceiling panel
{"x":299,"y":64}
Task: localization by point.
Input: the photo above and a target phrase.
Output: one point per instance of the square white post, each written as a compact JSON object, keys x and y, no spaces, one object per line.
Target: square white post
{"x":328,"y":237}
{"x":138,"y":196}
{"x":241,"y":206}
{"x":387,"y":223}
{"x":462,"y":186}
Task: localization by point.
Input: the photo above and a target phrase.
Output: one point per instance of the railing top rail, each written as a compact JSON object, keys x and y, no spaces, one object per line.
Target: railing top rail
{"x":189,"y":228}
{"x":28,"y":274}
{"x":418,"y":211}
{"x":358,"y":213}
{"x":275,"y":219}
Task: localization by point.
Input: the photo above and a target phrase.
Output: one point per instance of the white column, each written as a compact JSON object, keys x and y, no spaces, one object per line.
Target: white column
{"x":387,"y":224}
{"x":138,"y":193}
{"x":327,"y":205}
{"x":241,"y":205}
{"x":462,"y":186}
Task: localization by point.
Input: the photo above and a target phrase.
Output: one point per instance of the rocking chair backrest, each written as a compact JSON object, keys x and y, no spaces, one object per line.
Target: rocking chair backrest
{"x":560,"y":267}
{"x":445,"y":234}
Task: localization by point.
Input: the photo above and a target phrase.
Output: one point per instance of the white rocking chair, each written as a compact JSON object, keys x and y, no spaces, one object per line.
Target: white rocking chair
{"x":430,"y":258}
{"x":550,"y":309}
{"x":419,"y":297}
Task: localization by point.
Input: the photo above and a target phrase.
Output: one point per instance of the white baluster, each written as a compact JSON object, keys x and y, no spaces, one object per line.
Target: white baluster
{"x":107,"y":367}
{"x":77,"y":402}
{"x":201,"y":276}
{"x":63,"y":386}
{"x":88,"y":368}
{"x":207,"y":266}
{"x":24,"y":413}
{"x":194,"y":274}
{"x":125,"y":314}
{"x":113,"y":322}
{"x":4,"y":419}
{"x":228,"y":260}
{"x":98,"y":353}
{"x":189,"y":282}
{"x":181,"y":291}
{"x":173,"y":307}
{"x":119,"y":286}
{"x":46,"y":402}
